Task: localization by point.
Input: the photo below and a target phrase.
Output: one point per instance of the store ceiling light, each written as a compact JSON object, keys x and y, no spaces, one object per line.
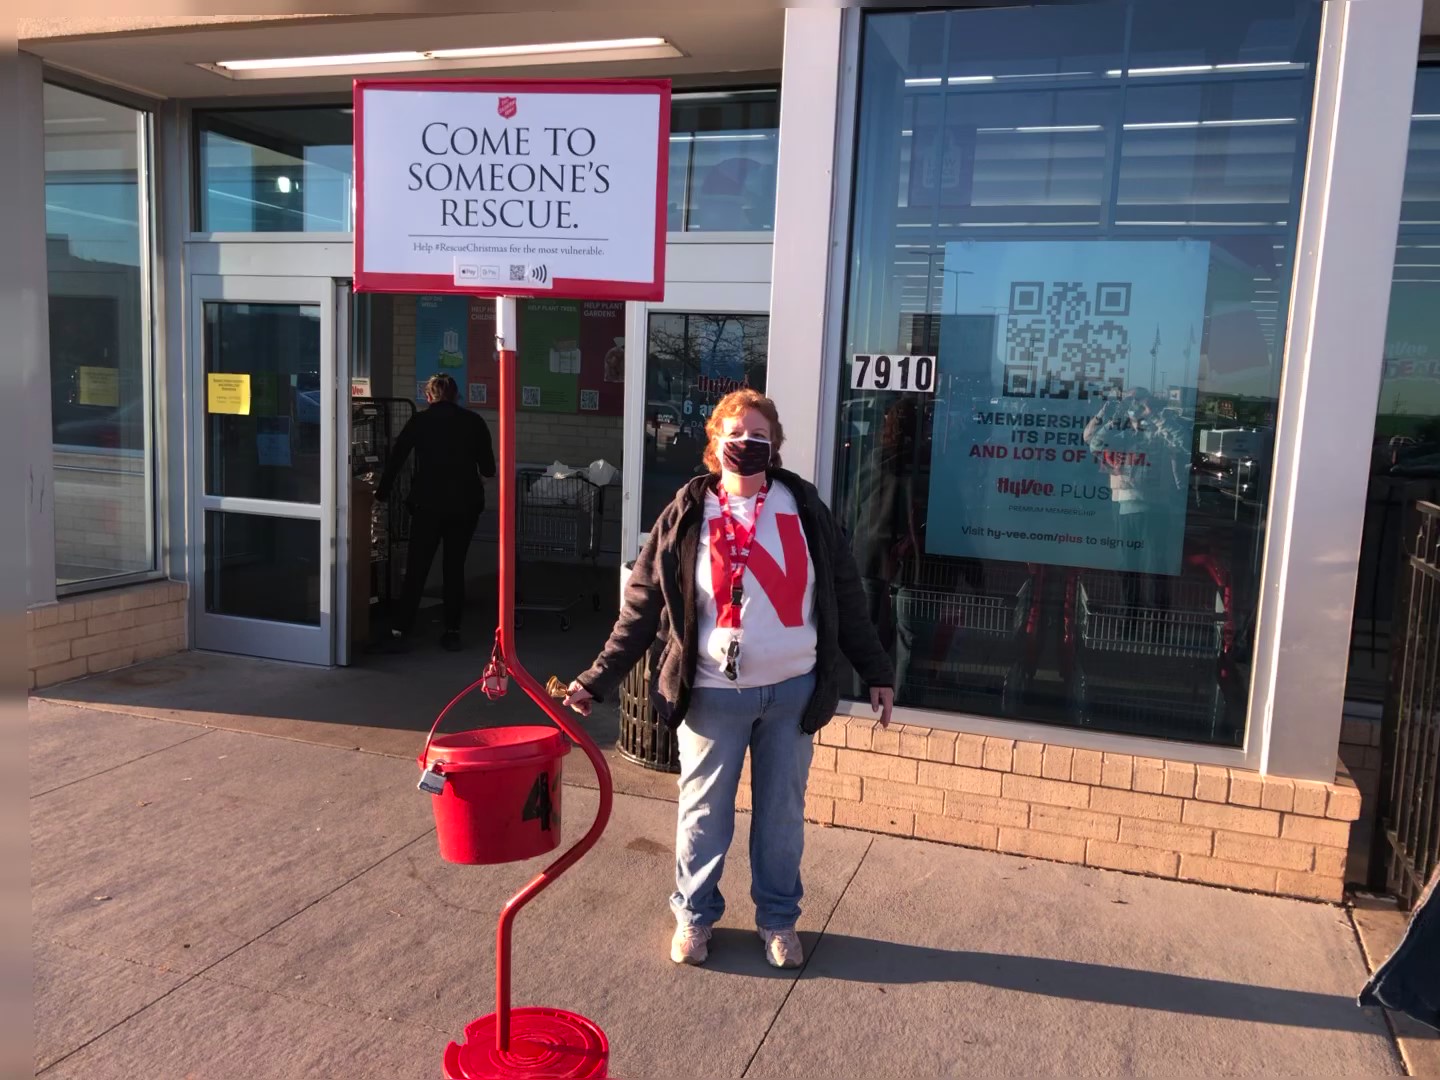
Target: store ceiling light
{"x":559,"y":52}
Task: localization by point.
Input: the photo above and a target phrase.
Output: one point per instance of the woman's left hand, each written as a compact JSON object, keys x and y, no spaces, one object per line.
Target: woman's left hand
{"x":882,"y":700}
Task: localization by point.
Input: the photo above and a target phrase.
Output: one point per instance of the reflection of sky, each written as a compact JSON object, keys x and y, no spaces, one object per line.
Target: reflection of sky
{"x":99,"y":220}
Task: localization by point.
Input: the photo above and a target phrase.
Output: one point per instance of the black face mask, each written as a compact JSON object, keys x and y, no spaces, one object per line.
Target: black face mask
{"x":745,"y":457}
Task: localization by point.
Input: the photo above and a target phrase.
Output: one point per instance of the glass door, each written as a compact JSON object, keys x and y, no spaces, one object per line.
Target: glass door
{"x":263,"y":379}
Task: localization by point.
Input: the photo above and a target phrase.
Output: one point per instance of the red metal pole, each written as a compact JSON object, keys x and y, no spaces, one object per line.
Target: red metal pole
{"x":505,"y":324}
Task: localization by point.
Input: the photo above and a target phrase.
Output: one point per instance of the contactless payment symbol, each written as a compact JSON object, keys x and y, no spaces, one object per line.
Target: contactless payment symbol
{"x":507,"y":107}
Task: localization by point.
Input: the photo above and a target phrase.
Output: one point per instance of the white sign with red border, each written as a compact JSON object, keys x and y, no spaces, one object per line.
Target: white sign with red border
{"x":512,"y":187}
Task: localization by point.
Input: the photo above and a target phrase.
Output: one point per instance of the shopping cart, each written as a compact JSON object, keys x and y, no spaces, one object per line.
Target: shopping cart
{"x":559,"y":523}
{"x":1149,"y":652}
{"x":963,"y":634}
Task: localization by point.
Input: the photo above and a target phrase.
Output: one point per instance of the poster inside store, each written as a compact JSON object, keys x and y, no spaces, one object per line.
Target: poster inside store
{"x":1065,"y":404}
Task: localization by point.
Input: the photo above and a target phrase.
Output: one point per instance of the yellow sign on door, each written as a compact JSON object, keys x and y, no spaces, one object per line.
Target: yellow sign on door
{"x":99,"y":386}
{"x":228,"y":394}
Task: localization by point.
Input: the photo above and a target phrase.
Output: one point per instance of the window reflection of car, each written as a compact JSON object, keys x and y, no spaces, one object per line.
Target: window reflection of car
{"x":307,"y":407}
{"x":104,"y":427}
{"x":662,"y":424}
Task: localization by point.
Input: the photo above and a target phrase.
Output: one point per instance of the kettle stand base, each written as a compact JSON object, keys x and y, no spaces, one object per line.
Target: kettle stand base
{"x":549,"y":1043}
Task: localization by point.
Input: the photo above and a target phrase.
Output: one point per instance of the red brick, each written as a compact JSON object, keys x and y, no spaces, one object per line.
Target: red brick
{"x":833,"y":733}
{"x":1331,"y":862}
{"x":824,"y":759}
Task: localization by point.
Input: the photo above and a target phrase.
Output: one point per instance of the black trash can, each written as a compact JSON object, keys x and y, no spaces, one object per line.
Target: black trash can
{"x":644,"y":738}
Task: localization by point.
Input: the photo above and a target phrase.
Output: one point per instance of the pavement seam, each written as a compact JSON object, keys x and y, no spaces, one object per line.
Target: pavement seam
{"x":123,"y":764}
{"x":263,"y":934}
{"x":800,"y":974}
{"x":1371,"y":966}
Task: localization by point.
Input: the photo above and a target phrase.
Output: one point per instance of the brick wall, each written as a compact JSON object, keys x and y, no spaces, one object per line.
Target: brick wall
{"x":98,"y":632}
{"x":1141,"y":815}
{"x":1360,"y":751}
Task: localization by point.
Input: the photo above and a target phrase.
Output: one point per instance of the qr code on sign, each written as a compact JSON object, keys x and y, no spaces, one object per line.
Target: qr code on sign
{"x":530,"y":396}
{"x":517,"y":271}
{"x":1065,"y":340}
{"x":590,"y":400}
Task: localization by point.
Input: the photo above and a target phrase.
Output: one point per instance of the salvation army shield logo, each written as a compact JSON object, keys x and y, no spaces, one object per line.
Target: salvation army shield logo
{"x":507,"y":108}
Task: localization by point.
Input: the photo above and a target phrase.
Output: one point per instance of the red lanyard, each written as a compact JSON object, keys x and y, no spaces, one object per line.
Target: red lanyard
{"x":739,"y":554}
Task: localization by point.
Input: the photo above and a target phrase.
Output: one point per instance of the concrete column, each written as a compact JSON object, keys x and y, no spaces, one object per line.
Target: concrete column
{"x":29,"y":330}
{"x":804,"y":197}
{"x":1344,"y":260}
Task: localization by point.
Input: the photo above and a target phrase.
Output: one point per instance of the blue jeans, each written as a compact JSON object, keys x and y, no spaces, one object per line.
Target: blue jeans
{"x":719,"y":727}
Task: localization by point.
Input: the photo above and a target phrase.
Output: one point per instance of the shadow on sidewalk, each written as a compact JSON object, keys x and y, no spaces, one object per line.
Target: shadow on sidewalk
{"x":885,"y":963}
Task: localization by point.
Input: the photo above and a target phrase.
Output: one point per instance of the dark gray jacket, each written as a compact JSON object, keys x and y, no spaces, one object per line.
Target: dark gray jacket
{"x":660,"y":615}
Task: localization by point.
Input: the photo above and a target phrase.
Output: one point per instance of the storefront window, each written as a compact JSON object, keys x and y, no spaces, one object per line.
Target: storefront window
{"x":1405,"y":461}
{"x":694,"y":361}
{"x":723,"y":150}
{"x":97,"y":240}
{"x":1071,"y":256}
{"x":276,"y":170}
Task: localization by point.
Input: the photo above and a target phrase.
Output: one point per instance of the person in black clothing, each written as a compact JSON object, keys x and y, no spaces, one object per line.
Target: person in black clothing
{"x":452,"y":454}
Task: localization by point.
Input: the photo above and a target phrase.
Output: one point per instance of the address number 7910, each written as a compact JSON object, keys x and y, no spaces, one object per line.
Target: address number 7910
{"x":914,"y":374}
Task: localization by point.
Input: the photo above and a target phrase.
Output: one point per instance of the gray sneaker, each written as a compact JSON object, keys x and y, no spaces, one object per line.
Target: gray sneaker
{"x":782,"y":948}
{"x":690,"y":945}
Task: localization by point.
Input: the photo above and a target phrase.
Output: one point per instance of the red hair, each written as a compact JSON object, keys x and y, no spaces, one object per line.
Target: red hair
{"x":737,"y":404}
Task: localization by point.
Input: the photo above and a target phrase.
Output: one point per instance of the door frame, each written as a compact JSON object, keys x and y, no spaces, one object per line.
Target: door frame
{"x":236,"y":634}
{"x":727,"y":298}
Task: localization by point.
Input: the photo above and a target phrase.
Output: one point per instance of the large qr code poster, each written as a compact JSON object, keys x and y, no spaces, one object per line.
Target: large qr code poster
{"x":1068,"y":374}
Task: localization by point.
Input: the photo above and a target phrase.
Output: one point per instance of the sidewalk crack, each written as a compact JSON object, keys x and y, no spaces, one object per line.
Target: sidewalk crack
{"x":800,"y":974}
{"x":121,"y":765}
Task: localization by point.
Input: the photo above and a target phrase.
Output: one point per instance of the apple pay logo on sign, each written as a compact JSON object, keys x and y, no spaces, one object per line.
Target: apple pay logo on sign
{"x":472,"y":273}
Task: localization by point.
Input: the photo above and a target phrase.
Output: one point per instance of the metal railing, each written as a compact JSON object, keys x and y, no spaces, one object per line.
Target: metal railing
{"x":1410,"y":782}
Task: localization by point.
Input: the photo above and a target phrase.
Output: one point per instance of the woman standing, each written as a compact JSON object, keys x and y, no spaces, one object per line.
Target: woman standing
{"x":748,"y":593}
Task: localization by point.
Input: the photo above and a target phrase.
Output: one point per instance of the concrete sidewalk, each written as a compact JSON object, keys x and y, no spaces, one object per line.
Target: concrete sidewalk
{"x":212,"y":903}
